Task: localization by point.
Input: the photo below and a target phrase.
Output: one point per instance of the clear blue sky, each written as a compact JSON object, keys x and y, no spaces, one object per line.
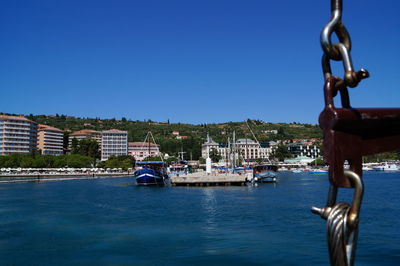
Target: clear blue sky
{"x":192,"y":61}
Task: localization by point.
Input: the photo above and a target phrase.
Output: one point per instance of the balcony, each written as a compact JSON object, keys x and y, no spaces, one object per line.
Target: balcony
{"x":16,"y":141}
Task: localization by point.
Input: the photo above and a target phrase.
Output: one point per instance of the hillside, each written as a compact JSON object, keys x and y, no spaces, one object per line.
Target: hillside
{"x":196,"y":134}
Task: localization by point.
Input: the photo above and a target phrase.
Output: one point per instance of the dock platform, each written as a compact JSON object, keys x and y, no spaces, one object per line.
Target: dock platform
{"x":202,"y":179}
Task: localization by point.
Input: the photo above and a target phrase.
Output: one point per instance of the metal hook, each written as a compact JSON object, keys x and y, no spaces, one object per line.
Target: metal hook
{"x":353,"y":215}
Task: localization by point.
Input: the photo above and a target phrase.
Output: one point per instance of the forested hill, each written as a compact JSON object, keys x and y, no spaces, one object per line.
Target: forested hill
{"x":196,"y":134}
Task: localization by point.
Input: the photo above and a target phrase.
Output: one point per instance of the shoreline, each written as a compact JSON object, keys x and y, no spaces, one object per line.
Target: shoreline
{"x":23,"y":178}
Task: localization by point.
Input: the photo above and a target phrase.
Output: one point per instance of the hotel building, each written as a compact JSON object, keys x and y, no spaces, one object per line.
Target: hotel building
{"x":17,"y":135}
{"x":246,"y":149}
{"x":50,"y":140}
{"x":141,"y":150}
{"x":113,"y":142}
{"x":251,"y":150}
{"x":85,"y":134}
{"x":304,"y":149}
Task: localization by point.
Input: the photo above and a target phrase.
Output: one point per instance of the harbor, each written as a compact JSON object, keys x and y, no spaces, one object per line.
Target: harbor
{"x":200,"y":133}
{"x":103,"y":221}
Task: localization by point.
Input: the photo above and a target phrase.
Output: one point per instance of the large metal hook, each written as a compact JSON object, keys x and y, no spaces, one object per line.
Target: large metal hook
{"x":353,"y":215}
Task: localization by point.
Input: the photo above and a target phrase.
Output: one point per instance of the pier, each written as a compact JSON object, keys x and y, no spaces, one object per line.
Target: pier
{"x":203,"y":179}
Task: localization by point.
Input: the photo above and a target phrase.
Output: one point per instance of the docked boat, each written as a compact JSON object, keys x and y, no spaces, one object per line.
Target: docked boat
{"x":386,"y":167}
{"x":318,"y":171}
{"x":265,"y":173}
{"x":298,"y":170}
{"x":151,"y":173}
{"x":178,"y":169}
{"x":378,"y":168}
{"x":390,"y":167}
{"x":366,"y":168}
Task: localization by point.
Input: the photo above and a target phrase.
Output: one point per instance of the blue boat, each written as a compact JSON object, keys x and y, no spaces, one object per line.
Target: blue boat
{"x":318,"y":171}
{"x":151,"y":174}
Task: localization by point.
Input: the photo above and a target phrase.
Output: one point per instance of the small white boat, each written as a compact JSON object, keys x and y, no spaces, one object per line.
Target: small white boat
{"x":366,"y":168}
{"x":318,"y":171}
{"x":387,"y":167}
{"x":378,"y":168}
{"x":297,"y":170}
{"x":390,"y":167}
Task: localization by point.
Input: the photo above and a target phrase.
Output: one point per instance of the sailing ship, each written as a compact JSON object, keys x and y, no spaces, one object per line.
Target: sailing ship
{"x":264,"y":173}
{"x":151,"y":173}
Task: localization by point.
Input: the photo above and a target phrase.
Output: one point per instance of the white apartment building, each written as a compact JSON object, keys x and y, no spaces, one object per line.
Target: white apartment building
{"x":141,"y":150}
{"x":50,"y":140}
{"x":113,"y":142}
{"x":17,"y":135}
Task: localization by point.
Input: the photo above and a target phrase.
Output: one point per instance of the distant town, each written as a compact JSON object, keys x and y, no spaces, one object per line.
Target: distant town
{"x":269,"y":142}
{"x":21,"y":135}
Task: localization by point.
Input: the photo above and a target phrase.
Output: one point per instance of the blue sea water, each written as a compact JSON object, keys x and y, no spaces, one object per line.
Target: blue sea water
{"x":114,"y":222}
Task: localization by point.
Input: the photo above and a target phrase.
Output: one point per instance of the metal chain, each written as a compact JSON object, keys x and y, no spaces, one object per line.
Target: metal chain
{"x":339,"y":51}
{"x":342,"y":223}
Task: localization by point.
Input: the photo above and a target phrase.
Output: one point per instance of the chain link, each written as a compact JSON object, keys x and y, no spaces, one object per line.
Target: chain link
{"x":342,"y":222}
{"x":339,"y":51}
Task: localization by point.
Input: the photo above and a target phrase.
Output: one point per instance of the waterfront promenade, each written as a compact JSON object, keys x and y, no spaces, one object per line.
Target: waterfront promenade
{"x":17,"y":175}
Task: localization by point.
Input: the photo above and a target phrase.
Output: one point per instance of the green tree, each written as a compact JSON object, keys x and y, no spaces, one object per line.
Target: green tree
{"x":152,"y":158}
{"x":49,"y":160}
{"x":39,"y":162}
{"x":86,"y":147}
{"x":14,"y":160}
{"x":319,"y":162}
{"x":124,"y":161}
{"x":281,"y":152}
{"x":78,"y":161}
{"x":66,"y":141}
{"x":74,"y":146}
{"x":214,"y":155}
{"x":171,"y":160}
{"x":27,"y":162}
{"x":61,"y":161}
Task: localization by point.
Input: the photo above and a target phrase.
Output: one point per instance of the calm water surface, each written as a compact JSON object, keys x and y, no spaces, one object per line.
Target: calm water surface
{"x":114,"y":222}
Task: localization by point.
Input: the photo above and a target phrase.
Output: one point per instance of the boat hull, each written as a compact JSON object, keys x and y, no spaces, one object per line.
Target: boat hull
{"x":265,"y":177}
{"x":149,"y":177}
